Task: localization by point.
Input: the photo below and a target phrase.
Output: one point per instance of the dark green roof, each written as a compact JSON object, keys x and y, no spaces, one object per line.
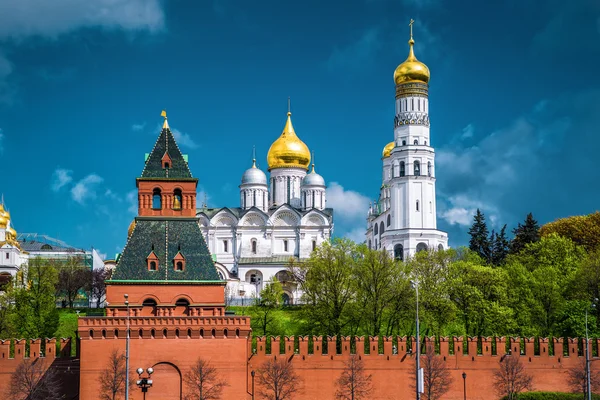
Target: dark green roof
{"x":166,"y":237}
{"x":166,"y":144}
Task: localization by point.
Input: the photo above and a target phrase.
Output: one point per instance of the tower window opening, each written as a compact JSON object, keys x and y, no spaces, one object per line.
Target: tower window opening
{"x":313,"y":199}
{"x":376,"y":229}
{"x":425,"y":142}
{"x":403,"y":142}
{"x":389,"y":220}
{"x":177,"y":199}
{"x":254,"y":197}
{"x":314,"y":245}
{"x":285,"y":245}
{"x":7,"y":256}
{"x":167,"y":165}
{"x":289,"y":194}
{"x":153,"y":266}
{"x":428,"y":168}
{"x":399,"y":252}
{"x":417,"y":166}
{"x":179,"y":266}
{"x":402,"y":168}
{"x":419,"y":104}
{"x":156,"y":199}
{"x":225,"y":246}
{"x":417,"y":205}
{"x":412,"y":104}
{"x":253,"y":244}
{"x":416,"y":141}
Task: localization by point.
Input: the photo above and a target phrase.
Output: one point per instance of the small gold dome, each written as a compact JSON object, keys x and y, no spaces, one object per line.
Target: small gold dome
{"x":387,"y":150}
{"x":288,"y":151}
{"x":411,"y":69}
{"x":3,"y":221}
{"x":13,"y":233}
{"x":131,"y":228}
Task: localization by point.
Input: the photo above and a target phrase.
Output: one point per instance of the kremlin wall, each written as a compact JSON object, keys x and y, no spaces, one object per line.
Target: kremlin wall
{"x":162,"y":342}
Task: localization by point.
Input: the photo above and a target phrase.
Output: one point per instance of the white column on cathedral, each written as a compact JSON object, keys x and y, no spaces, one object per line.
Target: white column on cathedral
{"x":285,"y":186}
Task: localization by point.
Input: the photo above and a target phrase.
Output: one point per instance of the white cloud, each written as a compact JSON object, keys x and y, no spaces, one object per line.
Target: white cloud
{"x":463,"y":208}
{"x":132,"y":201}
{"x":60,"y":178}
{"x":24,"y":18}
{"x":349,"y":205}
{"x":467,"y":132}
{"x":85,"y":188}
{"x":184,"y":139}
{"x":138,"y":127}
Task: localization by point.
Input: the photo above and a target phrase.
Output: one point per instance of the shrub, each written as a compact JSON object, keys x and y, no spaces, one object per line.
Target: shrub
{"x":552,"y":396}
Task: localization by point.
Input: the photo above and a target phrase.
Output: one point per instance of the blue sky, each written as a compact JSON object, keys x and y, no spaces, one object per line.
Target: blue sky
{"x":514,"y":103}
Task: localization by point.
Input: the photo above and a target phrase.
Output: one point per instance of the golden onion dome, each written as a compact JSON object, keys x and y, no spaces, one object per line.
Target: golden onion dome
{"x":288,"y":151}
{"x":131,"y":228}
{"x":13,"y":233}
{"x":3,"y":221}
{"x":387,"y":150}
{"x":411,"y":70}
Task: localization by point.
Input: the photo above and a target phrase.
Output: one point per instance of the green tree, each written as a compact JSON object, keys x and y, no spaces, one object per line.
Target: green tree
{"x":329,"y":284}
{"x":34,"y":314}
{"x":269,"y":301}
{"x":500,"y":247}
{"x":375,"y":276}
{"x":73,"y":276}
{"x":527,"y":233}
{"x":479,"y":242}
{"x":583,"y":230}
{"x":431,"y":270}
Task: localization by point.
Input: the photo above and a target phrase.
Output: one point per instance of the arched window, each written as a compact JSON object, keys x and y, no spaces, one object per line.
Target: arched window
{"x":376,"y":229}
{"x":182,"y":306}
{"x":425,"y":142}
{"x":156,"y":199}
{"x":416,"y":141}
{"x":149,"y":307}
{"x":417,"y":205}
{"x":177,"y":199}
{"x":179,"y":266}
{"x":314,"y":245}
{"x":428,"y":168}
{"x":389,"y":220}
{"x":153,"y":266}
{"x":225,"y":247}
{"x":404,"y":143}
{"x":399,"y":252}
{"x":167,"y":165}
{"x":253,"y":244}
{"x":402,"y":168}
{"x":417,"y":166}
{"x":421,"y":247}
{"x":440,"y":247}
{"x":285,"y":245}
{"x":381,"y":228}
{"x":369,"y":243}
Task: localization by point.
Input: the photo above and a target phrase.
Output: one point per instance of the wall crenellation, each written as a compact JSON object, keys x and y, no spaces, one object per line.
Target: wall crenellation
{"x":19,"y":349}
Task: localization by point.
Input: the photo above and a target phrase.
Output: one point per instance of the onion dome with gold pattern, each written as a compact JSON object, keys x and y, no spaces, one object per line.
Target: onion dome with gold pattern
{"x":288,"y":151}
{"x":411,"y":70}
{"x":4,"y":217}
{"x":387,"y":150}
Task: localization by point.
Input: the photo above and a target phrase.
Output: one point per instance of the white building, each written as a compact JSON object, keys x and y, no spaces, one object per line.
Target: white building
{"x":12,"y":257}
{"x":281,"y":218}
{"x":403,"y":220}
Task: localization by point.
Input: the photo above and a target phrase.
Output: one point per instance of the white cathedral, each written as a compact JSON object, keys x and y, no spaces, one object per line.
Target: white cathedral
{"x":403,"y":220}
{"x":281,"y":218}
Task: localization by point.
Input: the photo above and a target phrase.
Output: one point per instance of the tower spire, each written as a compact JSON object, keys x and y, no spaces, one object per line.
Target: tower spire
{"x":313,"y":161}
{"x":412,"y":21}
{"x":254,"y":156}
{"x":164,"y":115}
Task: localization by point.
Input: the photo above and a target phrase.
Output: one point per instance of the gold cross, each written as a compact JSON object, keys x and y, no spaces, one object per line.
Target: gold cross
{"x":412,"y":21}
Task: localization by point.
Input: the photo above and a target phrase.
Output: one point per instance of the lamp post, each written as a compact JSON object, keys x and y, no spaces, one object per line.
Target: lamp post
{"x":127,"y":350}
{"x":144,"y":383}
{"x":464,"y":375}
{"x":252,"y":373}
{"x":415,"y":284}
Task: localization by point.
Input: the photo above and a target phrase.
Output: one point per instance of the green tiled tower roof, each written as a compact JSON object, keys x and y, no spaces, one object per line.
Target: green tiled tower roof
{"x":166,"y":144}
{"x":166,"y":237}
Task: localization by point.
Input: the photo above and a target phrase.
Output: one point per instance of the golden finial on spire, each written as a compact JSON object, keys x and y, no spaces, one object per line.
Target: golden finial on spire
{"x":253,"y":156}
{"x":313,"y":161}
{"x":412,"y":21}
{"x":411,"y":69}
{"x":164,"y":115}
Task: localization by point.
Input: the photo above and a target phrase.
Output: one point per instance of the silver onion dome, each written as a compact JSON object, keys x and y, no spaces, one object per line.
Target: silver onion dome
{"x":313,"y":179}
{"x":254,"y":176}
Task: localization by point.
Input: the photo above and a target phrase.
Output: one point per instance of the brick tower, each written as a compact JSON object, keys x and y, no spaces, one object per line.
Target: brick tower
{"x":175,"y":297}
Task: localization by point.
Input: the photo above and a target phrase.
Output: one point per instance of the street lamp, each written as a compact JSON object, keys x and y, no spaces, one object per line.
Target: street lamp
{"x":144,"y":383}
{"x":464,"y":375}
{"x":127,"y":349}
{"x":415,"y":285}
{"x":587,"y":356}
{"x":252,"y":373}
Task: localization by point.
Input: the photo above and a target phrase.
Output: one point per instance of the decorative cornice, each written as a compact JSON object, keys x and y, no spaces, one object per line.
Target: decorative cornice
{"x":412,"y":89}
{"x":411,"y":118}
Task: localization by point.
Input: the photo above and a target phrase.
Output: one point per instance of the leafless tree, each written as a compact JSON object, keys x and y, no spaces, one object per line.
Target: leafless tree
{"x":511,"y":378}
{"x":33,"y":380}
{"x":203,"y":382}
{"x":354,"y":383}
{"x":97,"y":285}
{"x":114,"y":377}
{"x":278,"y":380}
{"x":437,"y":378}
{"x":73,"y":276}
{"x":577,"y":381}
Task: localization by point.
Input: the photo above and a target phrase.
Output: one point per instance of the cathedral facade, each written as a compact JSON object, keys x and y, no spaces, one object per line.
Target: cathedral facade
{"x":280,"y":218}
{"x":403,"y":220}
{"x":12,"y":256}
